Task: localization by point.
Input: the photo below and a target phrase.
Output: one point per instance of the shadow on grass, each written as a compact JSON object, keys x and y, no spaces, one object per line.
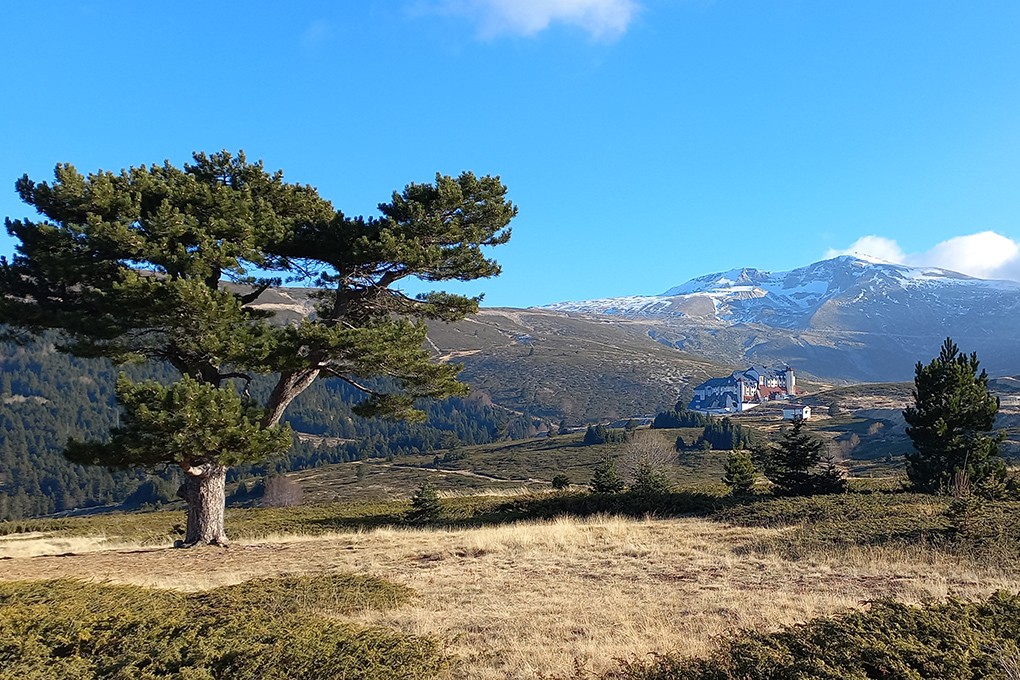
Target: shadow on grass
{"x":473,"y":512}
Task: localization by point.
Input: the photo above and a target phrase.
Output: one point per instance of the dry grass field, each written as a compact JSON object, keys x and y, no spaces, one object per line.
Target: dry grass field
{"x":539,"y":599}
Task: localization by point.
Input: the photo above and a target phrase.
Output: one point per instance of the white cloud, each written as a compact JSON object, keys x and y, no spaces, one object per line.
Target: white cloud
{"x":983,"y":254}
{"x":602,"y":19}
{"x":986,"y":254}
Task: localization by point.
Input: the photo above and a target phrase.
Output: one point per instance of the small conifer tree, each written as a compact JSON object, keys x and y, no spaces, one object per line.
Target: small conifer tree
{"x":425,"y":504}
{"x":595,"y":434}
{"x":605,"y":478}
{"x":740,"y":472}
{"x":796,"y":465}
{"x":650,"y":480}
{"x":950,"y":424}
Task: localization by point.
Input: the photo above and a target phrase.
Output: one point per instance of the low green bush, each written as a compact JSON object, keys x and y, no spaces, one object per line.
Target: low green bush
{"x":954,"y":640}
{"x":330,"y":594}
{"x":262,"y":629}
{"x":991,"y":535}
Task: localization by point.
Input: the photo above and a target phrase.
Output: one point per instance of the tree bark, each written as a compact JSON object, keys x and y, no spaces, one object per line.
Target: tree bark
{"x":204,"y":490}
{"x":289,"y":386}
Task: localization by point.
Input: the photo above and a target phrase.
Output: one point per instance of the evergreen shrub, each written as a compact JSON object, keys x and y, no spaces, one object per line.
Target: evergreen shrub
{"x":260,"y":630}
{"x":954,"y":640}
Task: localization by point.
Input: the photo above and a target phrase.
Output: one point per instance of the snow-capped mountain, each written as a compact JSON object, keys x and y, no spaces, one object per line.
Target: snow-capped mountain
{"x":843,"y":317}
{"x":792,"y":299}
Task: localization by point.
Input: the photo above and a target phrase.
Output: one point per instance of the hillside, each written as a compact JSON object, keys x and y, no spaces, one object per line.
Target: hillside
{"x":561,"y":366}
{"x":47,"y":397}
{"x":528,"y":370}
{"x":532,"y":369}
{"x":517,"y":360}
{"x":552,"y":365}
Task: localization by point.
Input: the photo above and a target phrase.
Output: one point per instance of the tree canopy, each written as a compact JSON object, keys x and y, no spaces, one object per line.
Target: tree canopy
{"x":680,"y":417}
{"x":951,"y":421}
{"x":724,"y":435}
{"x":171,"y":264}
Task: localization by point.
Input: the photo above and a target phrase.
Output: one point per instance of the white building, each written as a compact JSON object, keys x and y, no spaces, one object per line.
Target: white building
{"x":794,"y":411}
{"x":743,"y":390}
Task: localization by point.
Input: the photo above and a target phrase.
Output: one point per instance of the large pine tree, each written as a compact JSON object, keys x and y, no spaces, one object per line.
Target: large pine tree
{"x":168,"y":264}
{"x":951,"y":421}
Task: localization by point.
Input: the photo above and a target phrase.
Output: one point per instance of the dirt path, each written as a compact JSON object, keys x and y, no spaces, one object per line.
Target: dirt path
{"x":467,"y":473}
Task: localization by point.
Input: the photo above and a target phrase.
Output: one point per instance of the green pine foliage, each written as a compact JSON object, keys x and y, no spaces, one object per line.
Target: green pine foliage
{"x":954,"y":640}
{"x":290,"y":629}
{"x":560,"y":482}
{"x":725,"y":435}
{"x":600,"y":434}
{"x":650,"y":480}
{"x":739,"y":472}
{"x":186,"y":422}
{"x":164,"y":264}
{"x":680,"y":417}
{"x":950,"y":423}
{"x":425,"y":504}
{"x":605,"y":478}
{"x":796,"y":465}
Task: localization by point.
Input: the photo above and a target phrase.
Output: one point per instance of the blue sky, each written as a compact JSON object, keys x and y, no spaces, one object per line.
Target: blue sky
{"x":645,"y":141}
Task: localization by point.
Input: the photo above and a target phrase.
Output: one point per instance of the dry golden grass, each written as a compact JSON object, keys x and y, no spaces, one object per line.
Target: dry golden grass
{"x":495,"y":492}
{"x":527,"y":600}
{"x":40,"y":544}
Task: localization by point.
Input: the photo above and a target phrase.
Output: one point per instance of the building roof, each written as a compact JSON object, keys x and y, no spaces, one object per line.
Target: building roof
{"x":713,"y":402}
{"x":717,"y":382}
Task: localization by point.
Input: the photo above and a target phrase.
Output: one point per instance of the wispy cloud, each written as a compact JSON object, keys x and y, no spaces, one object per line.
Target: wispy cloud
{"x":316,"y":33}
{"x":601,"y":19}
{"x":986,"y":254}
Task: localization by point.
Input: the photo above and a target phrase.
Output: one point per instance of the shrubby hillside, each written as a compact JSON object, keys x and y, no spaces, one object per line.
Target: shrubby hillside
{"x":48,"y":397}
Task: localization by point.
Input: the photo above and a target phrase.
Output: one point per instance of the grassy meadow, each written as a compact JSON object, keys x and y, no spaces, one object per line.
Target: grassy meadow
{"x":516,"y":580}
{"x":537,"y":584}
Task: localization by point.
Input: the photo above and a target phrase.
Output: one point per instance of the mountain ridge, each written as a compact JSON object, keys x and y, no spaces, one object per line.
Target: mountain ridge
{"x":794,"y":289}
{"x":844,"y":318}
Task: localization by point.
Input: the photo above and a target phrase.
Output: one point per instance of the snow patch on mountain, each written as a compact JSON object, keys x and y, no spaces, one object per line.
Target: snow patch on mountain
{"x":789,"y":299}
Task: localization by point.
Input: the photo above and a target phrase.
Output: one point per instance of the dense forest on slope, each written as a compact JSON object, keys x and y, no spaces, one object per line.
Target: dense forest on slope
{"x":47,"y":397}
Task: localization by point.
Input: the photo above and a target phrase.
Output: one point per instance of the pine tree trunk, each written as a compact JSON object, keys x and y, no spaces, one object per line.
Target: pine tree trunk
{"x":289,"y":386}
{"x":204,"y":490}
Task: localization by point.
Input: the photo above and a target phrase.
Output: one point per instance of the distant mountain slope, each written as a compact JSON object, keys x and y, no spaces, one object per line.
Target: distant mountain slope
{"x":549,"y":364}
{"x":844,"y":318}
{"x":557,"y":365}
